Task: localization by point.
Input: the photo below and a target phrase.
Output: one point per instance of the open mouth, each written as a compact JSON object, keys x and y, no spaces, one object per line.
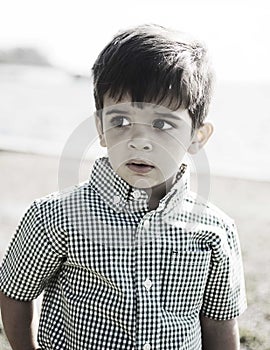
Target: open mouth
{"x":139,"y":166}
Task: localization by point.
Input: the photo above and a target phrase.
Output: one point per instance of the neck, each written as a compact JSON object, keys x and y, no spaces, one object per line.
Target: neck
{"x":155,"y":194}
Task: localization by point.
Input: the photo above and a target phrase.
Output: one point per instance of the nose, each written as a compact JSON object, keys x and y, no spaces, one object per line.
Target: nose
{"x":140,"y":144}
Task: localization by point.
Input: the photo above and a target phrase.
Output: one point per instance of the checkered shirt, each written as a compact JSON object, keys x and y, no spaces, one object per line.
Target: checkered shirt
{"x":118,"y":276}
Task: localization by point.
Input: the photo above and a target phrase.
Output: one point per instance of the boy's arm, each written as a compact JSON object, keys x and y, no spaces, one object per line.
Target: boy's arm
{"x":18,"y":318}
{"x":221,"y":335}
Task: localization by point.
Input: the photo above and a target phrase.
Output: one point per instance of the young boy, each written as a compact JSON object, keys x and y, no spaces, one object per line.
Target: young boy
{"x":132,"y":259}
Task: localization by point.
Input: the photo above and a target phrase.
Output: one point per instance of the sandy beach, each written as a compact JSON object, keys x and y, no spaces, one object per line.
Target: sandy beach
{"x":24,"y":177}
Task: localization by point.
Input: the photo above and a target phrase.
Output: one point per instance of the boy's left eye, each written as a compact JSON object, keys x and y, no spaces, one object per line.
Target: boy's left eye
{"x":161,"y":124}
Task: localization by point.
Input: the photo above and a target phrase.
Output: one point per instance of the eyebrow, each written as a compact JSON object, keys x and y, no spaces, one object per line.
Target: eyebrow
{"x":116,"y":111}
{"x":164,"y":115}
{"x":168,"y":115}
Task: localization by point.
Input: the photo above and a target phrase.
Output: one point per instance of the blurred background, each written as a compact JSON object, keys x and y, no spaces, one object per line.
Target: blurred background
{"x":47,"y":50}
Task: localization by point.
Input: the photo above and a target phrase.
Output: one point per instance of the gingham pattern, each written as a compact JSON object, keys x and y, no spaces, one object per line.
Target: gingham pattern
{"x":118,"y":276}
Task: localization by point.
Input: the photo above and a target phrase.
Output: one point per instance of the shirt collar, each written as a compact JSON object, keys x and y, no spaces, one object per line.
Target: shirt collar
{"x":119,"y":195}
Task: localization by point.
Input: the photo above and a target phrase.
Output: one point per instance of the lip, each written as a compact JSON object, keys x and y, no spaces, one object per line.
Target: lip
{"x":140,"y":166}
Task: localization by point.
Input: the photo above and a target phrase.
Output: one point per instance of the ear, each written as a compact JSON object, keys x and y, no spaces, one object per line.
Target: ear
{"x":201,"y":136}
{"x":99,"y":127}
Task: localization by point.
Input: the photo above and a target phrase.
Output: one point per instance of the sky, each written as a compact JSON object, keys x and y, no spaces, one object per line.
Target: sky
{"x":72,"y":33}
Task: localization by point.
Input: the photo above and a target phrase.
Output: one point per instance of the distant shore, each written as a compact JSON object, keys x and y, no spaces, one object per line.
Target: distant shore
{"x":25,"y":177}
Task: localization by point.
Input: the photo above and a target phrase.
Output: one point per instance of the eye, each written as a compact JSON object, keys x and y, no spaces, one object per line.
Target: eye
{"x":162,"y":124}
{"x":120,"y":121}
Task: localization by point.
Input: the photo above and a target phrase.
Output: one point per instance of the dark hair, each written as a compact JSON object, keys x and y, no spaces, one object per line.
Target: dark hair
{"x":154,"y":64}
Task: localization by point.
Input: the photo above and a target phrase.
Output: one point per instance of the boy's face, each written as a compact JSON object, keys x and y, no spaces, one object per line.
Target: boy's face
{"x":146,"y":143}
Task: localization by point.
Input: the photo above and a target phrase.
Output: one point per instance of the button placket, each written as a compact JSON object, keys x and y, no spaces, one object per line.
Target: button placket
{"x":148,"y":280}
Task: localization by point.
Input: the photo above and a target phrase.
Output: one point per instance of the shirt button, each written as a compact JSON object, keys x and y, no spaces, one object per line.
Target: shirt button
{"x":116,"y":199}
{"x":146,"y":224}
{"x":147,"y":346}
{"x":148,"y":283}
{"x":158,"y":234}
{"x":136,"y":194}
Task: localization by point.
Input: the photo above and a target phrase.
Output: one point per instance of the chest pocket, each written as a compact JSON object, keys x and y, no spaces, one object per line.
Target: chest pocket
{"x":184,"y":279}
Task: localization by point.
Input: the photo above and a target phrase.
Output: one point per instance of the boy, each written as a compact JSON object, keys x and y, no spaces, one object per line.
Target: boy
{"x":132,"y":259}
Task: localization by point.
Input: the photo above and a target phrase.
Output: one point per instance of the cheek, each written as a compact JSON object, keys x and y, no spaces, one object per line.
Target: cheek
{"x":117,"y":152}
{"x":171,"y":153}
{"x":116,"y":144}
{"x":115,"y":136}
{"x":170,"y":160}
{"x":176,"y":142}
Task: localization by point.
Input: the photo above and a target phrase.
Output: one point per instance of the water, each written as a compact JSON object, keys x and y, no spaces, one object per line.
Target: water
{"x":41,"y":108}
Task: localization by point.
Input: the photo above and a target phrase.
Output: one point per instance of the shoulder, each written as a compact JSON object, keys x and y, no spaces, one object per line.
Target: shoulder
{"x":204,"y":221}
{"x":62,"y":197}
{"x":207,"y":213}
{"x":216,"y":226}
{"x":206,"y":225}
{"x":56,"y":208}
{"x":56,"y":213}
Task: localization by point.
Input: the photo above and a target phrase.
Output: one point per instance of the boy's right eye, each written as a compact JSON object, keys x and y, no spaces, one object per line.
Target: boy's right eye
{"x":120,"y":121}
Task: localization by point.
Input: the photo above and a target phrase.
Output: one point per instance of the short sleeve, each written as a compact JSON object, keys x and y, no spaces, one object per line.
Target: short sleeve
{"x":30,"y":260}
{"x":225,"y":296}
